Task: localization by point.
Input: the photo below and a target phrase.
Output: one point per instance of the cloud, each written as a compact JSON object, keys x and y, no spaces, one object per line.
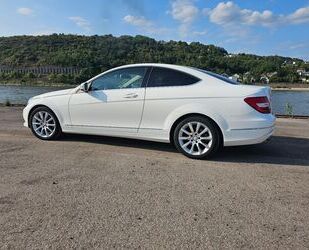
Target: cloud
{"x":185,"y":12}
{"x":81,"y":22}
{"x":137,"y":21}
{"x":229,"y":14}
{"x":200,"y":33}
{"x":299,"y":46}
{"x":143,"y":24}
{"x":24,"y":11}
{"x":299,"y":16}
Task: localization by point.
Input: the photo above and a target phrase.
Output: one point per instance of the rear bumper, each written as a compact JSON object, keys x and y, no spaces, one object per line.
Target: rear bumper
{"x":251,"y":131}
{"x":238,"y":137}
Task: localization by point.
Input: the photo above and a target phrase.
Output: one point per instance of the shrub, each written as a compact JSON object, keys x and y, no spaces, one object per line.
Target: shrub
{"x":7,"y":103}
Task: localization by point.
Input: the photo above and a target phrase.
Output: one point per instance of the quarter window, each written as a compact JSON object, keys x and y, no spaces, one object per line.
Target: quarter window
{"x":220,"y":77}
{"x":120,"y":79}
{"x":162,"y":77}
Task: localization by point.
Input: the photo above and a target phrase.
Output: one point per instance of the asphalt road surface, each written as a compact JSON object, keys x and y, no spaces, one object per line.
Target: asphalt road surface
{"x":100,"y":192}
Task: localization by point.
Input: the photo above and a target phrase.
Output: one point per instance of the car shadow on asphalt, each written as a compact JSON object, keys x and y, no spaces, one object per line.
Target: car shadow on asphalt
{"x":280,"y":150}
{"x":121,"y":142}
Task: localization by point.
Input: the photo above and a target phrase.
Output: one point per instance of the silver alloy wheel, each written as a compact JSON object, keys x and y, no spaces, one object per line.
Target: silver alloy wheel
{"x":195,"y":138}
{"x":44,"y":124}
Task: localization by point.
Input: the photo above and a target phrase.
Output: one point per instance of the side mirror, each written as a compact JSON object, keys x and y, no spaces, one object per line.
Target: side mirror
{"x":84,"y":87}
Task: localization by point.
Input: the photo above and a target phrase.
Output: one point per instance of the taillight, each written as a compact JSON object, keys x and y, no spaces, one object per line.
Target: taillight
{"x":260,"y":104}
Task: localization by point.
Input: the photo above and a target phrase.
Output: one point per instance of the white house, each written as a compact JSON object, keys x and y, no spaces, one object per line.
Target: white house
{"x":264,"y":79}
{"x":235,"y":77}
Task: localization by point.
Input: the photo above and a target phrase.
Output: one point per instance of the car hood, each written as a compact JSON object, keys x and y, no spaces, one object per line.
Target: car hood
{"x":55,"y":93}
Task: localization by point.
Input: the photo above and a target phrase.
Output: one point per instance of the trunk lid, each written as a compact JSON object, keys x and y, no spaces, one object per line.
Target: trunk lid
{"x":257,"y":91}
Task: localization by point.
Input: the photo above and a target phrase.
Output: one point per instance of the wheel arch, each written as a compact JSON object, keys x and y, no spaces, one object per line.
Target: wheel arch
{"x":45,"y":106}
{"x":181,"y":118}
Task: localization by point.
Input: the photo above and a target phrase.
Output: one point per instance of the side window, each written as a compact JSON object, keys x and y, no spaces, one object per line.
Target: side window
{"x":162,"y":77}
{"x":120,"y":79}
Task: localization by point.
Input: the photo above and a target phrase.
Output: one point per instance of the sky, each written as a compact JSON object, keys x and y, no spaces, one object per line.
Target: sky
{"x":263,"y":27}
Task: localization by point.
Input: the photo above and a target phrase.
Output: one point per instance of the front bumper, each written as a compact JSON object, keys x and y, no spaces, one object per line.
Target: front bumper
{"x":26,"y":111}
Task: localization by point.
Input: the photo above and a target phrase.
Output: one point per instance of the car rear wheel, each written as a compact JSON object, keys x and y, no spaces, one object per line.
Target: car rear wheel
{"x":197,"y":137}
{"x":44,"y":124}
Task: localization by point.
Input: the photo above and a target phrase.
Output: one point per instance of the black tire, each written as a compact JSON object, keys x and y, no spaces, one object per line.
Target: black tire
{"x":216,"y":138}
{"x":56,"y":132}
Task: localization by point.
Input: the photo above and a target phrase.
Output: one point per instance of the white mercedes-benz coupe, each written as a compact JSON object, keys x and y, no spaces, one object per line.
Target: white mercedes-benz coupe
{"x":196,"y":110}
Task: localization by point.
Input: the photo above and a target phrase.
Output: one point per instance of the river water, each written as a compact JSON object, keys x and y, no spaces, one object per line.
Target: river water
{"x":297,"y":100}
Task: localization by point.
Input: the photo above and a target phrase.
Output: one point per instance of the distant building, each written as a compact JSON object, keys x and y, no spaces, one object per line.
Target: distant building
{"x":304,"y":75}
{"x":248,"y":78}
{"x":285,"y":63}
{"x":264,"y":79}
{"x":302,"y":72}
{"x":305,"y":80}
{"x":40,"y":70}
{"x":272,"y":74}
{"x":235,"y":77}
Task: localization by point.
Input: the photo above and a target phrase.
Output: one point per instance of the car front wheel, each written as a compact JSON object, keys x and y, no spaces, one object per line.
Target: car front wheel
{"x":44,"y":124}
{"x":197,"y":137}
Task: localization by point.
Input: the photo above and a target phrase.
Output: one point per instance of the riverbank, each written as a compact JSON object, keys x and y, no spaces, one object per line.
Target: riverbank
{"x":290,"y":89}
{"x":304,"y":87}
{"x":287,"y":86}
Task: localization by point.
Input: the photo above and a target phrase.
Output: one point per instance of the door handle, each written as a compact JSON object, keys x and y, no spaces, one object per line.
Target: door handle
{"x":131,"y":95}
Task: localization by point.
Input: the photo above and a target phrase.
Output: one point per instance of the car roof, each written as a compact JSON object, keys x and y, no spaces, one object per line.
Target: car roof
{"x":185,"y":69}
{"x":164,"y":65}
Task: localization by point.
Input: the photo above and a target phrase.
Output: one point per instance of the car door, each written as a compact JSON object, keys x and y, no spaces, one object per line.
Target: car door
{"x":165,"y":92}
{"x":114,"y":102}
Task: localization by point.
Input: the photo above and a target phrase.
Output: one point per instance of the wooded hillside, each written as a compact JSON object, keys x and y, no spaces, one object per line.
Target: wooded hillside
{"x":94,"y":54}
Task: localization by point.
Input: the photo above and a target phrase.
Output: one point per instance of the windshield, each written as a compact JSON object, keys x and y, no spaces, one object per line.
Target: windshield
{"x":220,"y":77}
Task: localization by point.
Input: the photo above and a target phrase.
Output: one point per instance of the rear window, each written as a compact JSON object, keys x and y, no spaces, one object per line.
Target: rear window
{"x":220,"y":77}
{"x":163,"y":77}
